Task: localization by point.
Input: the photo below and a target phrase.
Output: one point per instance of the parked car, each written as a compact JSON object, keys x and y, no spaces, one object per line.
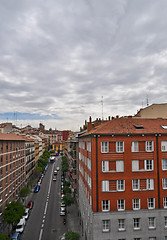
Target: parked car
{"x":55,"y":172}
{"x":57,"y":168}
{"x":62,"y":211}
{"x":63,"y":237}
{"x":37,"y":189}
{"x":62,"y":204}
{"x":15,"y":236}
{"x":30,"y":205}
{"x":26,"y":214}
{"x":20,"y":225}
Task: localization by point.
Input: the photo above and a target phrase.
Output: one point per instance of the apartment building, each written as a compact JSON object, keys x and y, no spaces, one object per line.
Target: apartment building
{"x":29,"y":157}
{"x":123,"y":180}
{"x":12,"y":167}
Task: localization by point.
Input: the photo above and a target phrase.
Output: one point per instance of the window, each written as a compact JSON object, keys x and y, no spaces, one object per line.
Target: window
{"x":105,"y":186}
{"x":149,"y":146}
{"x":165,"y":221}
{"x":150,"y":184}
{"x":152,"y":238}
{"x":135,"y":184}
{"x":164,"y":183}
{"x":163,"y":146}
{"x":151,"y":203}
{"x":105,"y":205}
{"x":106,"y":225}
{"x":135,"y":146}
{"x":148,"y":165}
{"x":137,"y":239}
{"x":89,"y":146}
{"x":104,"y":147}
{"x":165,"y":202}
{"x":121,"y":224}
{"x":135,"y":165}
{"x":120,"y":185}
{"x":136,"y":204}
{"x":164,"y":164}
{"x":151,"y":222}
{"x":121,"y":204}
{"x":136,"y":223}
{"x":105,"y":166}
{"x":120,"y":146}
{"x":119,"y":166}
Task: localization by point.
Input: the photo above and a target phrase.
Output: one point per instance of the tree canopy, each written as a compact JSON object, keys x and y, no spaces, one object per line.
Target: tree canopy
{"x":72,"y":235}
{"x":4,"y":236}
{"x":13,"y":212}
{"x":24,"y":192}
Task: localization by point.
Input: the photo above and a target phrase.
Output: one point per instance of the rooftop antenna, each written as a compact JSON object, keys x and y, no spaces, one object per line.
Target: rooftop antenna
{"x":147,"y":101}
{"x":102,"y":106}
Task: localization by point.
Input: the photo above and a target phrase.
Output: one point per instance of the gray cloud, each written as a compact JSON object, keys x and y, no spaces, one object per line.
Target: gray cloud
{"x":61,"y":57}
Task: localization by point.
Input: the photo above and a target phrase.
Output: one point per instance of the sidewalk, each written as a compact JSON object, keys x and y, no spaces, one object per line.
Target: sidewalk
{"x":73,"y":221}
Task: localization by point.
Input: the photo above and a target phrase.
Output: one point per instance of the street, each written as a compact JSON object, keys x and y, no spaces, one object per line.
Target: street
{"x":45,"y":222}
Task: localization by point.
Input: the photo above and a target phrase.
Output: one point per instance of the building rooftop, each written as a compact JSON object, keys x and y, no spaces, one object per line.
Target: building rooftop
{"x":129,"y":125}
{"x":9,"y":136}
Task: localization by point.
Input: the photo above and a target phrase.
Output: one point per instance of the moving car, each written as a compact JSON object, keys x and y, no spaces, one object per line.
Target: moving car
{"x":20,"y":225}
{"x":15,"y":236}
{"x":30,"y":205}
{"x":55,"y":172}
{"x":37,"y":189}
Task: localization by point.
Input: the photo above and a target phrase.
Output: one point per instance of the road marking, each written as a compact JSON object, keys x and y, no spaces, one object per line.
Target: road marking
{"x":41,"y":232}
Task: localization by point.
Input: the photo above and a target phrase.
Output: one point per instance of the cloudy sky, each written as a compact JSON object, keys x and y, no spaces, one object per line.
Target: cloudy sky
{"x":64,"y":60}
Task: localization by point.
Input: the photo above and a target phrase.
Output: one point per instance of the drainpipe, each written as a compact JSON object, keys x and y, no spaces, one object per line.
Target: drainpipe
{"x":97,"y":193}
{"x":158,"y":180}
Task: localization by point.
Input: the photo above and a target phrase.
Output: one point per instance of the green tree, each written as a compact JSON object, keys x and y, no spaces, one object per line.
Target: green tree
{"x":24,"y":192}
{"x":68,"y":199}
{"x":4,"y":236}
{"x":30,"y":183}
{"x":66,"y":189}
{"x":72,"y":235}
{"x":13,"y":212}
{"x":66,"y":183}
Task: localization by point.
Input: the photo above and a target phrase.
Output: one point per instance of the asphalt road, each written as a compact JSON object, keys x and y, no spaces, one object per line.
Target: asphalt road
{"x":45,"y":222}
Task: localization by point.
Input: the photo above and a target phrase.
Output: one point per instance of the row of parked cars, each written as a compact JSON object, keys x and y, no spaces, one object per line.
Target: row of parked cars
{"x":20,"y":226}
{"x":62,"y":204}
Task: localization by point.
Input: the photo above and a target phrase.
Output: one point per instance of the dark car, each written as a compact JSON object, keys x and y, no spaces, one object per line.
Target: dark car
{"x":30,"y":205}
{"x":37,"y":189}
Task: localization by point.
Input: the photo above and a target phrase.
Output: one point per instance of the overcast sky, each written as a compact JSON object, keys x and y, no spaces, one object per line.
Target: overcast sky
{"x":61,"y":58}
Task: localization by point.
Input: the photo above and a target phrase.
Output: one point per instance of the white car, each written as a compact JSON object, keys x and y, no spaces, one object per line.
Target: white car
{"x":26,"y":214}
{"x":63,"y":237}
{"x":62,"y":211}
{"x":20,"y":226}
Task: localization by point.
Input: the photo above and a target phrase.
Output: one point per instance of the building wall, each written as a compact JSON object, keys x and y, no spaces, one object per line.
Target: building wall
{"x":153,"y":111}
{"x":95,"y":195}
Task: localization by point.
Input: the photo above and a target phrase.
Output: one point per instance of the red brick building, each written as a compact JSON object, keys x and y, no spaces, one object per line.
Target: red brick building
{"x":12,"y":167}
{"x":123,"y":180}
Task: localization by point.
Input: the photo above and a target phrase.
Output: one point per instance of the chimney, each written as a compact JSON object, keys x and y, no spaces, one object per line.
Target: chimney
{"x":109,"y":118}
{"x":89,"y":124}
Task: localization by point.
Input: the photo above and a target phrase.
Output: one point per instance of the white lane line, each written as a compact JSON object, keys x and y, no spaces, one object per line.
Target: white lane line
{"x":41,"y":232}
{"x":40,"y":236}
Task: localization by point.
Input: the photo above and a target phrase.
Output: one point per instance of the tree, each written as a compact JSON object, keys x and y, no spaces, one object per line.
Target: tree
{"x":72,"y":235}
{"x":13,"y":212}
{"x":24,"y":192}
{"x":4,"y":236}
{"x":68,"y":199}
{"x":66,"y":189}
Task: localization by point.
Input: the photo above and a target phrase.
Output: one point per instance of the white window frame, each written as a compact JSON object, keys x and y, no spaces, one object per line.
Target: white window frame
{"x":135,"y":165}
{"x":119,"y":166}
{"x":165,"y":221}
{"x":105,"y":166}
{"x":104,"y":147}
{"x":120,"y":185}
{"x":149,"y":146}
{"x":150,"y":184}
{"x":136,"y":184}
{"x":151,"y":203}
{"x":121,"y":204}
{"x":105,"y":186}
{"x":165,"y":202}
{"x":136,"y":223}
{"x":136,"y":204}
{"x":164,"y":164}
{"x":120,"y":146}
{"x":149,"y":165}
{"x":89,"y":146}
{"x":135,"y":146}
{"x":106,"y":225}
{"x":164,"y":183}
{"x":105,"y":205}
{"x":151,"y":222}
{"x":164,"y":146}
{"x":121,"y":224}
